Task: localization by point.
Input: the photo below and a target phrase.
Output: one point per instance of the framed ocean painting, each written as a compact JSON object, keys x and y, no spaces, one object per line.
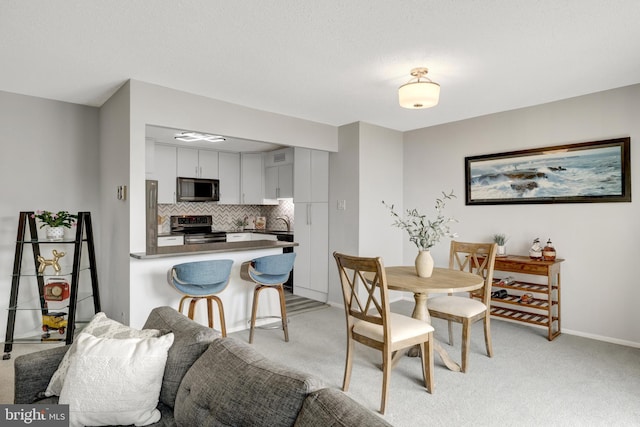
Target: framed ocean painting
{"x":588,"y":172}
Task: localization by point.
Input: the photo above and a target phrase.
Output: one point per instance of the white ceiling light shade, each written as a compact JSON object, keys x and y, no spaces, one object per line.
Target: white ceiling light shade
{"x":419,"y":92}
{"x":195,"y":136}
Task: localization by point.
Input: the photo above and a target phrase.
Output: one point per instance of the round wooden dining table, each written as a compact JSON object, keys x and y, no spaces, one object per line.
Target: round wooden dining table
{"x":443,"y":280}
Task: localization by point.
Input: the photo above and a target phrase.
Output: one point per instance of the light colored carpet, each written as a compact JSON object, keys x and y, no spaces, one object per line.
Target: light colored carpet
{"x":6,"y":368}
{"x":571,"y":381}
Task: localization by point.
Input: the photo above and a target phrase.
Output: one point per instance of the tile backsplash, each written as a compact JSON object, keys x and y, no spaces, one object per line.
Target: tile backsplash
{"x":225,"y":216}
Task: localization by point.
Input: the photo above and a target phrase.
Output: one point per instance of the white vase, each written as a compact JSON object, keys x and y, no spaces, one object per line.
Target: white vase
{"x":502,"y":250}
{"x":55,"y":233}
{"x":424,"y":264}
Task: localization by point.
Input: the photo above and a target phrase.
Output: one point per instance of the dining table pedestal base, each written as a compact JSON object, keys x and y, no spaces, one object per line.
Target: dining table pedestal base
{"x":421,"y":312}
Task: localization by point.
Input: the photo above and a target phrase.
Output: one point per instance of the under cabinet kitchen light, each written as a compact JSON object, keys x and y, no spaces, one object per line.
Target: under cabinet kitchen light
{"x":195,"y":136}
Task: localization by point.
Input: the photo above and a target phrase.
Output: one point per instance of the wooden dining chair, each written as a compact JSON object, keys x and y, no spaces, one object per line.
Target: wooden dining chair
{"x":370,"y":322}
{"x":478,"y":258}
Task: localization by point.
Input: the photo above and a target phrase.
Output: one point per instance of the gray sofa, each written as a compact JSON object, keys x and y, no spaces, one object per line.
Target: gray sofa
{"x":214,"y":381}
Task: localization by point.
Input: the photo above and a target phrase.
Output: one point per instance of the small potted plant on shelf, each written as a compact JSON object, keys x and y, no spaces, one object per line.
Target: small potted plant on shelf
{"x":425,"y":233}
{"x":501,"y":241}
{"x":56,"y":222}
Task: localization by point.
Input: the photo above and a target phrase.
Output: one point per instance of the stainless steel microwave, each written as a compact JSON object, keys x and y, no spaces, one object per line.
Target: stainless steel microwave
{"x":197,"y":190}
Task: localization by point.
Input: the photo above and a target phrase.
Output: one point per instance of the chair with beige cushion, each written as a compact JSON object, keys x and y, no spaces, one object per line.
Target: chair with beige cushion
{"x":478,"y":258}
{"x":370,"y":322}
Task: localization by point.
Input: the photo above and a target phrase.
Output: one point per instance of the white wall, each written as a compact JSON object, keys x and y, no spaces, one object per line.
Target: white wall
{"x":366,"y":170}
{"x":344,"y":181}
{"x":598,"y":241}
{"x":380,"y":179}
{"x":49,"y":162}
{"x":115,"y":171}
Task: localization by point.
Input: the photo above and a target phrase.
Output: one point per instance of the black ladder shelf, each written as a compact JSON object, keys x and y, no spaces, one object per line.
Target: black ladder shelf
{"x":84,"y":234}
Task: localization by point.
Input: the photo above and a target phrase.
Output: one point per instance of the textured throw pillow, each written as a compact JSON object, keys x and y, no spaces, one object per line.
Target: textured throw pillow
{"x":99,"y":326}
{"x":115,"y":381}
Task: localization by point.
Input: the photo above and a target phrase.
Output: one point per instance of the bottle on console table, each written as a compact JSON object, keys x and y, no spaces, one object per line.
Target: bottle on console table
{"x":536,"y":250}
{"x":549,"y":252}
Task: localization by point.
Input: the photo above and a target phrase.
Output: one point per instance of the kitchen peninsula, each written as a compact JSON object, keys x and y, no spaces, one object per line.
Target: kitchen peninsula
{"x":149,"y":286}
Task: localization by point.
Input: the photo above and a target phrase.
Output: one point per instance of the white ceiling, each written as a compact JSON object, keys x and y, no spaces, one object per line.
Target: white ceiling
{"x":330,"y":61}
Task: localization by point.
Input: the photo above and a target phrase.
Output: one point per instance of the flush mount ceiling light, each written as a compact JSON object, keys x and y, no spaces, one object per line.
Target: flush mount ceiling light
{"x":195,"y":136}
{"x":419,"y":92}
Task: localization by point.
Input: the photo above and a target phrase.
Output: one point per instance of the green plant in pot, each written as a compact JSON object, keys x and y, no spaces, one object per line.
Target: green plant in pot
{"x":56,"y":222}
{"x":424,"y":232}
{"x":240,"y":223}
{"x":501,"y":240}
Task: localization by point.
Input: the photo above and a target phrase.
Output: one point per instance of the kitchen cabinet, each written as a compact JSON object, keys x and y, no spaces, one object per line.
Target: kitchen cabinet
{"x":149,"y":158}
{"x":170,"y":241}
{"x":311,"y":175}
{"x":312,"y":253}
{"x":229,"y":172}
{"x":263,"y":236}
{"x":311,"y":197}
{"x":238,"y":237}
{"x":194,"y":163}
{"x":164,"y":171}
{"x":251,"y":178}
{"x":278,"y":182}
{"x":278,"y":174}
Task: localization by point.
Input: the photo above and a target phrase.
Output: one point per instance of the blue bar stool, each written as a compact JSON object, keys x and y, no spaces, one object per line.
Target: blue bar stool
{"x":270,"y":272}
{"x":202,"y":280}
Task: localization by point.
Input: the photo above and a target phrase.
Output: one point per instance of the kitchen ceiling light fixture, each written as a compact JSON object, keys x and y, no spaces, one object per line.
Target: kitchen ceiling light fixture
{"x":195,"y":136}
{"x":420,"y":91}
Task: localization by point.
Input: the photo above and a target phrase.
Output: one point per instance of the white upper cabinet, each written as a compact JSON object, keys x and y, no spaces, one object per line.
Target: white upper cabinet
{"x":194,"y":163}
{"x":311,"y":176}
{"x":149,"y":158}
{"x":208,"y":162}
{"x":164,"y":171}
{"x":187,"y":162}
{"x":229,"y":168}
{"x":279,"y":174}
{"x":278,"y":182}
{"x":251,"y":181}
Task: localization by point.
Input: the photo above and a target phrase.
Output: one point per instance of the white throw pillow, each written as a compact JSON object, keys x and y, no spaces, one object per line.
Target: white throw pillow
{"x":99,"y":326}
{"x":115,"y":381}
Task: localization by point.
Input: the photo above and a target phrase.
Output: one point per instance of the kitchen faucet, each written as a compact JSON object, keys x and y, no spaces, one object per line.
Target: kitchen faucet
{"x":286,"y":221}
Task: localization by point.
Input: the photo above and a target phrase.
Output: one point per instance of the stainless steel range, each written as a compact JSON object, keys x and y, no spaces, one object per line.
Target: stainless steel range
{"x":196,"y":229}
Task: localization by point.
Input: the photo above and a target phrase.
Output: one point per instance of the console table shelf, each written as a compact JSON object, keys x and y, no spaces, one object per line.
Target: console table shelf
{"x":544,"y":308}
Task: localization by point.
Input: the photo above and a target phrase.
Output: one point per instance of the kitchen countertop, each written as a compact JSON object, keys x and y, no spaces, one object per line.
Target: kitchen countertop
{"x":203,"y":248}
{"x":276,"y":232}
{"x":263,"y":231}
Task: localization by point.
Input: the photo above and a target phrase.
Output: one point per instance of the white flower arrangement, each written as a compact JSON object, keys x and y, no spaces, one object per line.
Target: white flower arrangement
{"x":423,"y":232}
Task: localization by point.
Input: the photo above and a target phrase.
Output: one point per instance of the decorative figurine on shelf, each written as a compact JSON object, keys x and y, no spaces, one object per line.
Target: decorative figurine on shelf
{"x":549,"y":252}
{"x":53,"y":321}
{"x":536,"y":250}
{"x":56,"y":290}
{"x":44,"y":263}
